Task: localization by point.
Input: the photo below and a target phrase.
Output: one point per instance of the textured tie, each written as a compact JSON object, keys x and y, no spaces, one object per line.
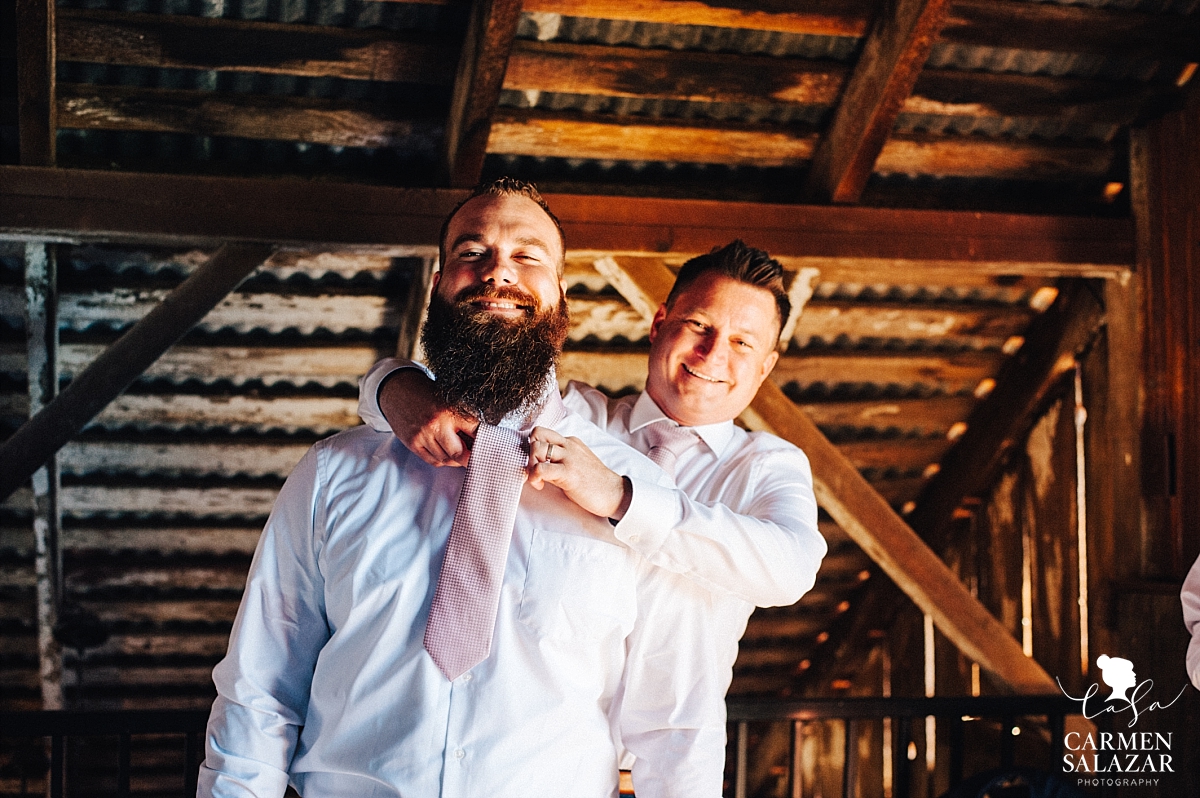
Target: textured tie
{"x":458,"y":634}
{"x":667,"y":441}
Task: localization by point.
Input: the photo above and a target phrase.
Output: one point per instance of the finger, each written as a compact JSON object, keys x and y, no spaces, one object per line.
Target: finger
{"x":546,"y":435}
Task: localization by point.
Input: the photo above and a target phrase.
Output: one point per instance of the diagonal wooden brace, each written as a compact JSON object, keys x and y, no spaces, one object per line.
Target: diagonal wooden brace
{"x":124,"y":362}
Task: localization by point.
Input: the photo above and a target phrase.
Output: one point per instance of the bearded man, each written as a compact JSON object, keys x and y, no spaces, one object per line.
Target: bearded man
{"x":416,"y":631}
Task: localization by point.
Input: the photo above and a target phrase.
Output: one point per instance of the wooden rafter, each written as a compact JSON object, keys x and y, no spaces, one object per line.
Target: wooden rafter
{"x":36,"y":81}
{"x":1004,"y":418}
{"x":122,"y":363}
{"x":491,"y":30}
{"x":136,"y":207}
{"x":872,"y":523}
{"x":892,"y":58}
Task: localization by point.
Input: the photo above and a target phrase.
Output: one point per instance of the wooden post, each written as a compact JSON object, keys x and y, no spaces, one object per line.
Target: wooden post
{"x":122,"y":363}
{"x":36,"y":100}
{"x":41,"y":329}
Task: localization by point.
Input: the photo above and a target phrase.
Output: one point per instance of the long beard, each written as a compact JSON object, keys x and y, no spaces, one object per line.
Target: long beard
{"x":486,"y":366}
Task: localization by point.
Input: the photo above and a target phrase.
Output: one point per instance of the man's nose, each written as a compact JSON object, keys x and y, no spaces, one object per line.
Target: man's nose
{"x":498,"y":270}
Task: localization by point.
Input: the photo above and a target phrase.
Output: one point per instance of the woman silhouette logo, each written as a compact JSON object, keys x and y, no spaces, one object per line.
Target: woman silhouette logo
{"x":1118,"y":674}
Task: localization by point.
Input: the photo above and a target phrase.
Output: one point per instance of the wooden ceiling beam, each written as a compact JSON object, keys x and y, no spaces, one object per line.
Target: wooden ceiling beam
{"x":334,"y":123}
{"x":869,"y":521}
{"x":1004,"y":418}
{"x":36,"y":108}
{"x":892,"y":57}
{"x":176,"y":41}
{"x":44,"y":434}
{"x":561,"y":135}
{"x":81,"y":205}
{"x":491,"y":30}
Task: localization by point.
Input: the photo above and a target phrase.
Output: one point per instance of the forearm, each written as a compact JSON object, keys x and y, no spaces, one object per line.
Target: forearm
{"x":1190,"y":596}
{"x":368,"y":391}
{"x":767,"y":551}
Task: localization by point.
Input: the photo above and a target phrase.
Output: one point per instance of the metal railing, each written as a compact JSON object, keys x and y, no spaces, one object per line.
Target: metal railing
{"x":899,"y":713}
{"x":953,"y":714}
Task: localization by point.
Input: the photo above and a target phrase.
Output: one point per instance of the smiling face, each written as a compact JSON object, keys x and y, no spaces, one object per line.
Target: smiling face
{"x":504,"y":255}
{"x":712,"y":349}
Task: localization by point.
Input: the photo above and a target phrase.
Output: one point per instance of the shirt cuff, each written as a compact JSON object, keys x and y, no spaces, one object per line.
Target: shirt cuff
{"x":649,"y":519}
{"x":368,"y":391}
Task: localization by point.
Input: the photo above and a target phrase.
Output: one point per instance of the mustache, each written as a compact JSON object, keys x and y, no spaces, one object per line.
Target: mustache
{"x":504,"y":293}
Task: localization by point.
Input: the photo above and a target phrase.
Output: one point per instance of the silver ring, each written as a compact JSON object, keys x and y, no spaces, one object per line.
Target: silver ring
{"x":550,"y":453}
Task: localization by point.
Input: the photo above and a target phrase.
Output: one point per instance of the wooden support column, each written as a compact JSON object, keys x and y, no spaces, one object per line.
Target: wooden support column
{"x":41,"y":328}
{"x":36,"y":102}
{"x":1004,"y":418}
{"x":491,"y":31}
{"x":891,"y":60}
{"x":408,"y":343}
{"x":868,"y":519}
{"x":122,"y":363}
{"x":1166,"y":176}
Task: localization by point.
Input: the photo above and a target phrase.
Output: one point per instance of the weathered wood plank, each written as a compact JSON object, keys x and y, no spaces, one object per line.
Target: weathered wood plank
{"x":491,"y":30}
{"x":1073,"y":28}
{"x":106,"y":575}
{"x":924,"y":416}
{"x":336,"y":123}
{"x":823,"y":18}
{"x":84,"y":501}
{"x":181,"y":459}
{"x":164,"y":540}
{"x":326,"y":366}
{"x":945,"y":373}
{"x":891,"y":59}
{"x":316,"y":414}
{"x":999,"y":23}
{"x":902,"y":454}
{"x":122,"y":363}
{"x":36,"y":82}
{"x":573,"y":136}
{"x":1002,"y":420}
{"x":229,"y":45}
{"x":965,"y":326}
{"x":557,"y":135}
{"x":725,"y":77}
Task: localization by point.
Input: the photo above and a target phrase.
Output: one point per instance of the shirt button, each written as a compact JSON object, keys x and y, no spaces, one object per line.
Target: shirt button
{"x":466,"y":677}
{"x":459,"y":753}
{"x":634,"y":538}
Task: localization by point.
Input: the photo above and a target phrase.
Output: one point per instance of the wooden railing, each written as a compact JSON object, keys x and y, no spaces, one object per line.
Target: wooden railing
{"x":952,"y":714}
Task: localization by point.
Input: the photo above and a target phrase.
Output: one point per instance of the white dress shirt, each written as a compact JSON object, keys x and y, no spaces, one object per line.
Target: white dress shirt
{"x":742,"y":525}
{"x":744,"y":521}
{"x":1190,"y":595}
{"x":327,"y":682}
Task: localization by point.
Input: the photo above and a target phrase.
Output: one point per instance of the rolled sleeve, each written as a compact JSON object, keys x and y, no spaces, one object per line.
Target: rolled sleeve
{"x":368,"y":390}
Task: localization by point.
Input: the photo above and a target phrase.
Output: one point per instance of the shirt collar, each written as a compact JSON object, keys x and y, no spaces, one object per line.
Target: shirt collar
{"x":646,"y":411}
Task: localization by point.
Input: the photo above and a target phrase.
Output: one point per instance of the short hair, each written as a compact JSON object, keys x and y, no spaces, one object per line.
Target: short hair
{"x":504,"y":187}
{"x":737,"y":262}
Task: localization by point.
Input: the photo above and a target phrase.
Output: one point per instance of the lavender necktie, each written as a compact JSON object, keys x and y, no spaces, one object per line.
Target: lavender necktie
{"x":458,"y":634}
{"x":667,"y":441}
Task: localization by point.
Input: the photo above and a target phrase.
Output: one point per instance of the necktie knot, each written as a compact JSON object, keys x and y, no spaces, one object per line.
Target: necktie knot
{"x":668,"y":440}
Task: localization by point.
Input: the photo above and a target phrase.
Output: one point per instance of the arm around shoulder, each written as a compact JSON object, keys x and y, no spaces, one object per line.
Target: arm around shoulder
{"x":1190,"y":596}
